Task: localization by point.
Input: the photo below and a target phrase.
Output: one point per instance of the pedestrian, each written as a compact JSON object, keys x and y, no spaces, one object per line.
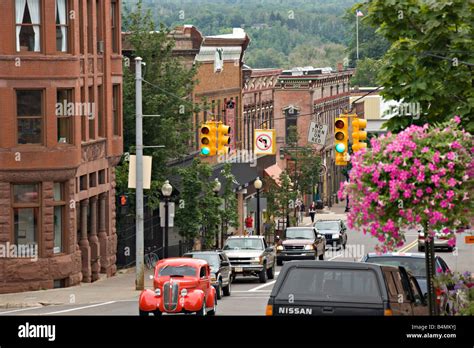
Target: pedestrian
{"x":249,"y":224}
{"x":312,"y":211}
{"x":301,"y":212}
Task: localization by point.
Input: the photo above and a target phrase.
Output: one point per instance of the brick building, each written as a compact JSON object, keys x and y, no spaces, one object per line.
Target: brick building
{"x":61,"y":137}
{"x":306,"y":94}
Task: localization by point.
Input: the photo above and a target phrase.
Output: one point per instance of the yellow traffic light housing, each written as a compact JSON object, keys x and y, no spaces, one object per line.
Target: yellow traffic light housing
{"x":208,"y":141}
{"x":223,"y":139}
{"x":358,"y":134}
{"x":341,"y":137}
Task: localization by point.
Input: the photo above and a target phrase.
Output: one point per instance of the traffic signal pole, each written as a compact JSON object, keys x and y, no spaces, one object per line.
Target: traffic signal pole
{"x":140,"y":270}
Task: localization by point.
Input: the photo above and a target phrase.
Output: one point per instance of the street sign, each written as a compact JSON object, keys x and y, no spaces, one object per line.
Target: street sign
{"x":317,"y":133}
{"x":264,"y":142}
{"x":469,"y":239}
{"x":170,"y":214}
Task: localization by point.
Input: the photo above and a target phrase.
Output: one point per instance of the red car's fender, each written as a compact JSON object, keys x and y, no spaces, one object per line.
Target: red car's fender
{"x":148,"y":301}
{"x":193,"y":300}
{"x":211,"y":297}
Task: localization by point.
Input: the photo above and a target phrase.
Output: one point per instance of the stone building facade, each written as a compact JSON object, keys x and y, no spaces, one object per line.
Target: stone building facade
{"x":60,"y":140}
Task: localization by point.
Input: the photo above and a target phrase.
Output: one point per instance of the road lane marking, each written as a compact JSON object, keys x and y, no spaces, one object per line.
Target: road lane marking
{"x":79,"y":308}
{"x":335,"y":257}
{"x":20,"y":310}
{"x":262,"y":286}
{"x":246,"y":291}
{"x":408,"y":247}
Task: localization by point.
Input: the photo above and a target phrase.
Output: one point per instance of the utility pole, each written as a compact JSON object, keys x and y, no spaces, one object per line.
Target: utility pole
{"x":140,"y":271}
{"x":357,"y":36}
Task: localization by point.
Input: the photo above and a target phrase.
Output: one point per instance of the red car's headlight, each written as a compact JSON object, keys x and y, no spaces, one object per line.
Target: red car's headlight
{"x":184,"y":292}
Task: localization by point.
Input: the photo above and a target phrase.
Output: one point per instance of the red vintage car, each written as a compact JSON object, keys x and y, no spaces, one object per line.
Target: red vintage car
{"x":181,"y":285}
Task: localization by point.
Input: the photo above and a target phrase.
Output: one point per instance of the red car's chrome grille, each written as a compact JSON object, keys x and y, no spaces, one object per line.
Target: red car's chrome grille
{"x":170,"y":295}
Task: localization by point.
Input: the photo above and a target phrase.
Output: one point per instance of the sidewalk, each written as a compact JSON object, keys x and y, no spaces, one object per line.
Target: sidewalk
{"x":119,"y":287}
{"x":335,"y":212}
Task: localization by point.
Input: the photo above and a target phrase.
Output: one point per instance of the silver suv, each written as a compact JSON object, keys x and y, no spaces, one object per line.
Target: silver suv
{"x":251,"y":256}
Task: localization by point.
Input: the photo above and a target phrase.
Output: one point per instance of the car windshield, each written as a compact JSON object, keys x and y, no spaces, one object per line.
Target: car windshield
{"x":415,"y":265}
{"x":319,"y":284}
{"x":178,"y":271}
{"x":299,"y":233}
{"x":212,"y":259}
{"x":327,"y":225}
{"x":243,"y":243}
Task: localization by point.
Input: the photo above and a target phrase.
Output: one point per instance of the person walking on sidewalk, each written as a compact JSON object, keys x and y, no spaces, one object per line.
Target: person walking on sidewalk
{"x":312,"y":211}
{"x":249,"y":224}
{"x":301,"y":212}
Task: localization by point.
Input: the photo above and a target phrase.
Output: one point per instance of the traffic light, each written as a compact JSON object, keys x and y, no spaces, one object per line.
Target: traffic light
{"x":358,"y":134}
{"x":341,"y":138}
{"x":223,"y":139}
{"x":208,"y":141}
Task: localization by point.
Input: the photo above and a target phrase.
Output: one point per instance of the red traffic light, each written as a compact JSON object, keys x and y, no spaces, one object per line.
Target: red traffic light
{"x":339,"y":124}
{"x":123,"y":200}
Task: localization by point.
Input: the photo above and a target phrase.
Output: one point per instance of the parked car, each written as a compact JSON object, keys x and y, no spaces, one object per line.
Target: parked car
{"x":300,"y":243}
{"x":333,"y":288}
{"x":441,"y":240}
{"x":413,"y":262}
{"x":180,"y":285}
{"x":221,"y":270}
{"x":335,"y":232}
{"x":251,"y":256}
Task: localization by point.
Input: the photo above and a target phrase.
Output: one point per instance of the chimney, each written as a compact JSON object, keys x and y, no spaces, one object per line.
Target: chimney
{"x":340,"y":67}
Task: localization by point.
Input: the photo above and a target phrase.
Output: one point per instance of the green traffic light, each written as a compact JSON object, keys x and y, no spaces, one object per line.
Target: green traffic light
{"x":340,"y":148}
{"x":205,"y":151}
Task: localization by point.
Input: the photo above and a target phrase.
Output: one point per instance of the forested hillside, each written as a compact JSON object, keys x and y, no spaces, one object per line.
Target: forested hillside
{"x":284,"y":33}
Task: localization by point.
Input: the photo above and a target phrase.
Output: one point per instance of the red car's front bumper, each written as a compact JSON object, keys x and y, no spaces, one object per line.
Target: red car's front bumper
{"x":192,"y":302}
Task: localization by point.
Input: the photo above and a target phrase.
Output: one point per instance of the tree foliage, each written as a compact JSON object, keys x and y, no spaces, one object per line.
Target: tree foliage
{"x":229,"y":214}
{"x":430,"y":57}
{"x":367,"y":70}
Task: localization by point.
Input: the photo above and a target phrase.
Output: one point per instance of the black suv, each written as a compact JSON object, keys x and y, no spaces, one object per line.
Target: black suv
{"x":345,"y":288}
{"x":221,"y":270}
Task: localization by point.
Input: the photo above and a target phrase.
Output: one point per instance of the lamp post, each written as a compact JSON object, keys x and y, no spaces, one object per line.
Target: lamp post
{"x":216,"y":189}
{"x":166,"y":190}
{"x":258,"y":185}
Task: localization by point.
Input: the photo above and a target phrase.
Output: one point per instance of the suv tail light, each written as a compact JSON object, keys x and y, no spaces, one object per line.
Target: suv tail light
{"x":387,"y":312}
{"x":269,"y":310}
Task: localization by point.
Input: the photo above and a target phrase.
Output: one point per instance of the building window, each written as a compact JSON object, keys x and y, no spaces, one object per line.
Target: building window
{"x":100,"y":111}
{"x":89,"y":27}
{"x":59,"y":214}
{"x":102,"y":177}
{"x":62,"y":24}
{"x":116,"y":109}
{"x":81,"y":26}
{"x":28,"y":25}
{"x":290,"y":120}
{"x":91,"y":117}
{"x":64,"y":114}
{"x":83,"y":117}
{"x":29,"y":108}
{"x":113,"y":19}
{"x":98,"y":15}
{"x":26,"y":204}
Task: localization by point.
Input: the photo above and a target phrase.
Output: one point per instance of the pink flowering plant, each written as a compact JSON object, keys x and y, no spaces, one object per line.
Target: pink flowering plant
{"x":421,"y":176}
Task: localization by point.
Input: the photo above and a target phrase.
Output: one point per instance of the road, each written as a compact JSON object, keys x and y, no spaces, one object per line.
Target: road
{"x":249,"y":297}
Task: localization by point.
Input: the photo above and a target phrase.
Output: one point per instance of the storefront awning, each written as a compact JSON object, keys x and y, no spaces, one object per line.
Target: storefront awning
{"x":274,"y":172}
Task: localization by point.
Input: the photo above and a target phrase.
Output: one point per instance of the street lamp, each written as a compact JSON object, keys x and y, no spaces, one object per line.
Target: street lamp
{"x":216,"y":189}
{"x":258,"y":185}
{"x":166,"y":190}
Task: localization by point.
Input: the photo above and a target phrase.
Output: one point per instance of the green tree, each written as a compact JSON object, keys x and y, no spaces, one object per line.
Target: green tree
{"x":229,"y":215}
{"x":166,"y":91}
{"x":430,"y":58}
{"x":366,"y":73}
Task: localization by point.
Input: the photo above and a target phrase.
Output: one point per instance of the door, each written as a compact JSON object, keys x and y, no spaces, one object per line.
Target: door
{"x":404,"y":294}
{"x":392,"y":290}
{"x":225,"y":267}
{"x":419,"y":306}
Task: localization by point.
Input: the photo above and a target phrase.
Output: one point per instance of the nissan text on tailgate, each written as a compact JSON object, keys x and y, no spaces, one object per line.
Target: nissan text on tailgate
{"x":327,"y":288}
